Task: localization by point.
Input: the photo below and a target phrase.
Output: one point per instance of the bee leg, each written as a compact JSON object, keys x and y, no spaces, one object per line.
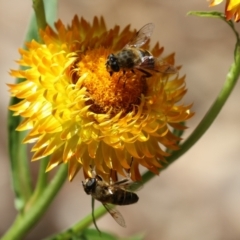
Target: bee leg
{"x":113,"y":176}
{"x":92,"y":171}
{"x":122,"y":181}
{"x":129,"y":170}
{"x":98,"y":178}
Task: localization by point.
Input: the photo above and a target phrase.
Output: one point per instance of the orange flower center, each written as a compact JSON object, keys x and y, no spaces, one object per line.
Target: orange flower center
{"x":112,"y":94}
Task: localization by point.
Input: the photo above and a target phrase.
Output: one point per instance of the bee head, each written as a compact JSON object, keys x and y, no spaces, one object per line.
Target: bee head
{"x":112,"y":64}
{"x":89,"y":185}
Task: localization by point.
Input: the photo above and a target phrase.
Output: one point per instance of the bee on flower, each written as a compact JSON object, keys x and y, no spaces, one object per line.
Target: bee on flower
{"x":133,"y":57}
{"x":79,"y":111}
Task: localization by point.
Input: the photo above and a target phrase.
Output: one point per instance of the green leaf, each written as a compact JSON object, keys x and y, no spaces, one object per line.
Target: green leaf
{"x":136,"y":237}
{"x":86,"y":234}
{"x":45,"y":12}
{"x":93,"y":234}
{"x":51,"y":11}
{"x":20,"y":172}
{"x":212,"y":14}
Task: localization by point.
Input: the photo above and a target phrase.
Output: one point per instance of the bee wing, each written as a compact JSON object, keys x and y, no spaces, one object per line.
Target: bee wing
{"x":158,"y":65}
{"x":115,"y":214}
{"x":128,"y":186}
{"x":133,"y":186}
{"x":142,"y":36}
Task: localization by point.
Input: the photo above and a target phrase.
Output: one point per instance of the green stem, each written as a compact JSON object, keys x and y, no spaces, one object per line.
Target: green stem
{"x":25,"y":221}
{"x":41,"y":185}
{"x":42,"y":177}
{"x":38,"y":6}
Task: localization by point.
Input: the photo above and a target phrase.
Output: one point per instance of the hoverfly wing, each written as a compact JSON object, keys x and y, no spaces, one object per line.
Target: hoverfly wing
{"x":121,"y":182}
{"x":133,"y":186}
{"x":157,"y":65}
{"x":142,"y":36}
{"x":164,"y":67}
{"x":147,"y":62}
{"x":128,"y":186}
{"x":115,"y":214}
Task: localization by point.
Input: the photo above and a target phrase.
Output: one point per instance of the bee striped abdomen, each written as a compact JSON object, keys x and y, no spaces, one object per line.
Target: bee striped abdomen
{"x":124,"y":198}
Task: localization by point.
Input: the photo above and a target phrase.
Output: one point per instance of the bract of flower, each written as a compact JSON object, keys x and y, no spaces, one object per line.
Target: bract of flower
{"x":80,"y":115}
{"x":214,"y":2}
{"x":232,"y":8}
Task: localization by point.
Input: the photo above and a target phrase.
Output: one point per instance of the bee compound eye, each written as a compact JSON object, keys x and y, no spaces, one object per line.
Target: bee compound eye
{"x":89,"y":185}
{"x":91,"y":182}
{"x":111,"y":57}
{"x":115,"y":67}
{"x":113,"y":62}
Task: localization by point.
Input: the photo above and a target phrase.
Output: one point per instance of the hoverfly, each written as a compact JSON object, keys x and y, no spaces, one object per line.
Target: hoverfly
{"x":133,"y":57}
{"x":115,"y":193}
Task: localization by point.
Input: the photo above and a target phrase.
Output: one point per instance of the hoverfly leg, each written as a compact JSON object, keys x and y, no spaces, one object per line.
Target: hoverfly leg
{"x":124,"y":83}
{"x":93,"y":172}
{"x":126,"y":79}
{"x":99,"y":178}
{"x":146,"y":73}
{"x":124,"y":180}
{"x":129,"y":170}
{"x":113,"y":176}
{"x":121,"y":76}
{"x":93,"y":217}
{"x":119,"y":80}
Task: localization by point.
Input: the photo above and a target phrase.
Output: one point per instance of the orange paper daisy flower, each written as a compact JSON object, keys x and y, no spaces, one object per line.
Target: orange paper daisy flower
{"x":232,"y":8}
{"x":81,"y":115}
